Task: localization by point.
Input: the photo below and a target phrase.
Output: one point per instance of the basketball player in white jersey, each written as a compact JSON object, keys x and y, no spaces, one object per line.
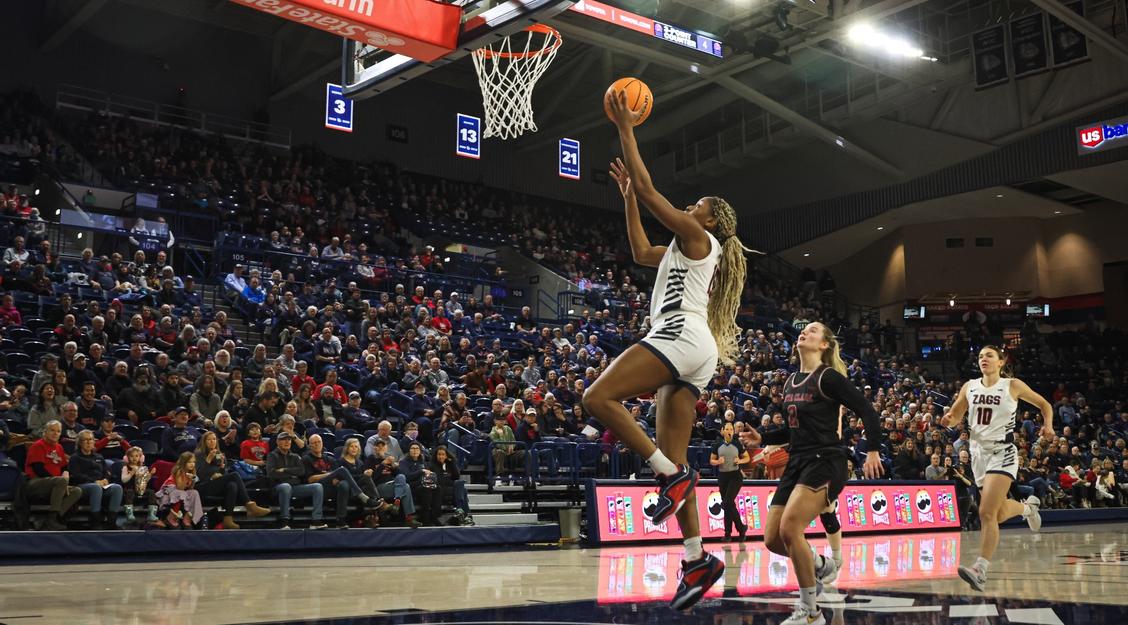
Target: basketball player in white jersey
{"x":693,"y":317}
{"x":991,"y":406}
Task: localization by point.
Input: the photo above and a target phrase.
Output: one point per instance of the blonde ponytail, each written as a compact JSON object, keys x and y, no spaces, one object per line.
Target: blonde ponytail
{"x":728,"y":284}
{"x":832,"y":357}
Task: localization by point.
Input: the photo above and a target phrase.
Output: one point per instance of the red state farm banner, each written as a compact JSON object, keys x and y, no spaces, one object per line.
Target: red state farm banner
{"x":421,"y":29}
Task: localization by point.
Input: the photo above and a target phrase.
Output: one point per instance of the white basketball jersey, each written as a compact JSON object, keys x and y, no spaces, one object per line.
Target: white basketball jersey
{"x":683,"y":284}
{"x":991,"y":411}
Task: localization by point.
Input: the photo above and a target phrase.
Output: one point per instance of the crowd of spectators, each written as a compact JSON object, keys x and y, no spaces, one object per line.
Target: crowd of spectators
{"x":371,"y":394}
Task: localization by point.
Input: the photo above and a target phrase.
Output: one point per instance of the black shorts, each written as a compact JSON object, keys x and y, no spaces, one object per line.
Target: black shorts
{"x":817,"y":469}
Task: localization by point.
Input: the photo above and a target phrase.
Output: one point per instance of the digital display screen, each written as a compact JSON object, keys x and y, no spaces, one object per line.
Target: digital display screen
{"x":650,"y":573}
{"x":914,"y":312}
{"x":623,"y":509}
{"x":645,"y":25}
{"x":1040,"y":311}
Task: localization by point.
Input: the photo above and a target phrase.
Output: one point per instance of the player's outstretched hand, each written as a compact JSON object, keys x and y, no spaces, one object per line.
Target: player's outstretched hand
{"x":621,"y":114}
{"x":621,"y":176}
{"x":1048,"y":432}
{"x":873,"y":468}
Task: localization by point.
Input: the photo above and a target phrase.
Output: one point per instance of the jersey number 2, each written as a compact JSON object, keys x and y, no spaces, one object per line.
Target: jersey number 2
{"x":983,"y":416}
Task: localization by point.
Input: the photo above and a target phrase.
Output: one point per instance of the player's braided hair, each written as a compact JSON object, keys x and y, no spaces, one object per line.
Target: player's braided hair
{"x":728,"y":284}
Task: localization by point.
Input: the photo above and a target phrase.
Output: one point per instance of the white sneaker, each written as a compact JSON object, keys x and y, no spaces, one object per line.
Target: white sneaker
{"x":829,"y":572}
{"x":974,"y":577}
{"x":804,"y":616}
{"x":1034,"y":515}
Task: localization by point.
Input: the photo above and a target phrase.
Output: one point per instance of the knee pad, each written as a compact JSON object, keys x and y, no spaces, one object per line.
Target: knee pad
{"x":830,"y":522}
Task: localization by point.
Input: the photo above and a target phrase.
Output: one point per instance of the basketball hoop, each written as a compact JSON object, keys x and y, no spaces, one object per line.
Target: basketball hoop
{"x":507,"y":78}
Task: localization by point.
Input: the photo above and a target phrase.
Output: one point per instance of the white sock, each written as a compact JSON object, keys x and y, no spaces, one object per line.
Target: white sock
{"x":807,"y":597}
{"x":661,"y":464}
{"x":837,"y":555}
{"x":363,"y":498}
{"x":982,"y":564}
{"x":693,"y":549}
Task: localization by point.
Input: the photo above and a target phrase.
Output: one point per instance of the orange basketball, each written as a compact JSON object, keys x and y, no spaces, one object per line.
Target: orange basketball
{"x":639,"y":97}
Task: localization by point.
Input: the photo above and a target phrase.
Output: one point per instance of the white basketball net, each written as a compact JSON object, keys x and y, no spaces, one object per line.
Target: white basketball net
{"x":507,"y":77}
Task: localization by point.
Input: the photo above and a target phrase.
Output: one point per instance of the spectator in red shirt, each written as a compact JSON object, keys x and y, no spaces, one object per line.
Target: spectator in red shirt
{"x":68,"y":330}
{"x":9,"y":314}
{"x":440,"y":322}
{"x":302,"y":377}
{"x":253,"y":451}
{"x":331,"y":382}
{"x":46,"y":469}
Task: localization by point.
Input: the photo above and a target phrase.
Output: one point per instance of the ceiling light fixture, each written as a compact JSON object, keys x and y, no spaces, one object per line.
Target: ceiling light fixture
{"x":868,"y":36}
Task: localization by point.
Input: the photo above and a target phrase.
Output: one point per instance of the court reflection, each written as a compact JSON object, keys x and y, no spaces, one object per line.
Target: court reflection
{"x":650,"y":573}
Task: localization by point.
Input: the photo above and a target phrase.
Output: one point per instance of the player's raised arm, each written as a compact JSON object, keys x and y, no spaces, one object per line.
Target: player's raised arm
{"x":687,"y":229}
{"x":643,"y":252}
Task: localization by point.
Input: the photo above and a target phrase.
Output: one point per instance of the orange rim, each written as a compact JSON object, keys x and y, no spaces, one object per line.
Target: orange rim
{"x":550,"y":33}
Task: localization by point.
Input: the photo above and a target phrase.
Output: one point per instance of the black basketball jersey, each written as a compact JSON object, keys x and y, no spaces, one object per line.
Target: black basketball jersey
{"x":811,"y":416}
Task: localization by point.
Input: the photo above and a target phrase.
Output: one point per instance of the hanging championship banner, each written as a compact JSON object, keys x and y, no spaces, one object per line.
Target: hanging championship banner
{"x":989,"y":52}
{"x":1068,"y":45}
{"x":1028,"y":45}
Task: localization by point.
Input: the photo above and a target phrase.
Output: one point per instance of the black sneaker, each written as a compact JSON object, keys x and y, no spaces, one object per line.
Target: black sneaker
{"x":673,"y":492}
{"x":696,"y":578}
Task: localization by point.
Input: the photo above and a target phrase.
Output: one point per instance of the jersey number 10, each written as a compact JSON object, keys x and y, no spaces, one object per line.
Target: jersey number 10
{"x":983,"y":416}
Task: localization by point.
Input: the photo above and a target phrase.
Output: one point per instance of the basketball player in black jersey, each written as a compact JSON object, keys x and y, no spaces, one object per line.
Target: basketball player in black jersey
{"x":816,"y":469}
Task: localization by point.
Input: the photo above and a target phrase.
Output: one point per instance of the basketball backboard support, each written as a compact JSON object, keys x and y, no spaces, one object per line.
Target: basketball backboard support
{"x":368,"y":71}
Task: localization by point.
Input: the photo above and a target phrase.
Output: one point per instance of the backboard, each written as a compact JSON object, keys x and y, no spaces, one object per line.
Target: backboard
{"x":368,"y":70}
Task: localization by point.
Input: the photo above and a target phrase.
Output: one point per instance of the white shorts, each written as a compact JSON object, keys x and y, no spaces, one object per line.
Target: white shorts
{"x":684,"y":344}
{"x":1001,"y":459}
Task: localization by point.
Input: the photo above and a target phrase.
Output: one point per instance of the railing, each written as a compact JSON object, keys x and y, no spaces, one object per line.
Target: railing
{"x":148,"y":111}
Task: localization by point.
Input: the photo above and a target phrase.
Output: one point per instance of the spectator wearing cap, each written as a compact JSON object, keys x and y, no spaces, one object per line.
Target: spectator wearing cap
{"x":287,"y":475}
{"x":328,"y":410}
{"x":79,"y":375}
{"x":138,"y":402}
{"x":170,"y":396}
{"x":234,"y":284}
{"x":89,"y":473}
{"x":46,"y":469}
{"x":423,"y":411}
{"x":110,"y":444}
{"x":354,"y":416}
{"x":178,"y":437}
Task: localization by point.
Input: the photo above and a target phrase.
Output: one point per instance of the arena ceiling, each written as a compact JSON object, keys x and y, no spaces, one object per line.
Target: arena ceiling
{"x":814,"y":88}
